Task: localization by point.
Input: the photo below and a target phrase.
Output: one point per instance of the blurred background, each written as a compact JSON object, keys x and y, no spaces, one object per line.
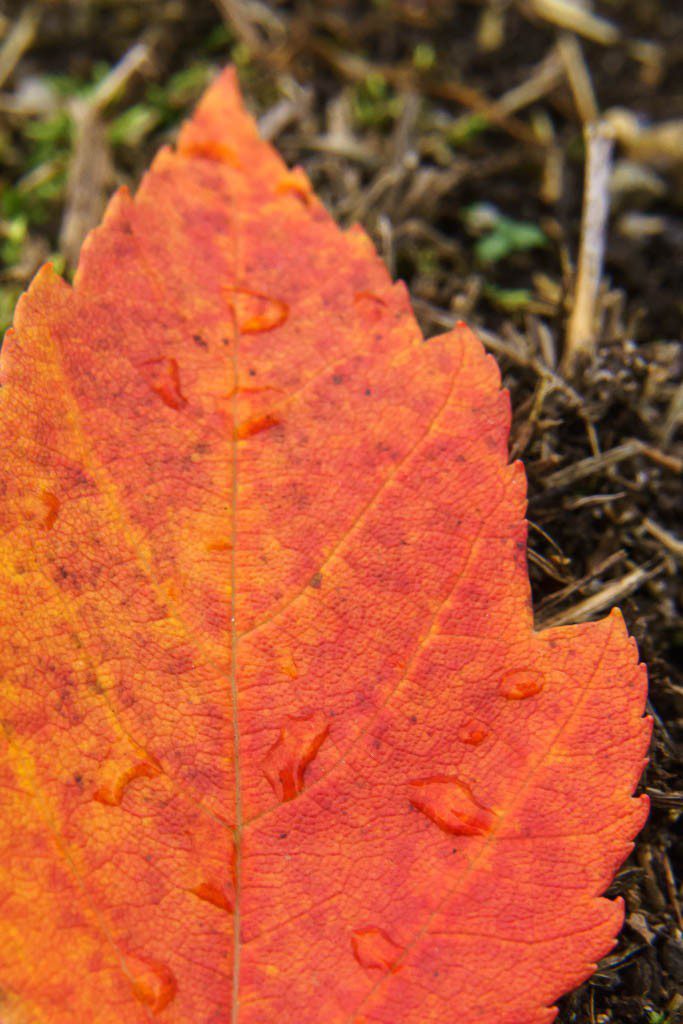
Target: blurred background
{"x":519,"y":163}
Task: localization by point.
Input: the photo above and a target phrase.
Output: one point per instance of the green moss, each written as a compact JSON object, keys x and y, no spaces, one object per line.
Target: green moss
{"x":424,"y":57}
{"x":375,"y":103}
{"x":465,"y":129}
{"x":510,"y":300}
{"x":134,"y":124}
{"x":500,"y":236}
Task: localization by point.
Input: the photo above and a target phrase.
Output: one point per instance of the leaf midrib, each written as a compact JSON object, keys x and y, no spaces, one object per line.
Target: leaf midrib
{"x":234,"y":639}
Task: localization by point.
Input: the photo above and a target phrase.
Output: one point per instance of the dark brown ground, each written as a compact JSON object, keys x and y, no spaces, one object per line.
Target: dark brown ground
{"x":390,"y":106}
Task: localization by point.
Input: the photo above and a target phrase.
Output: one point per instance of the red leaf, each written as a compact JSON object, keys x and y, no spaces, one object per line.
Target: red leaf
{"x":281,"y":743}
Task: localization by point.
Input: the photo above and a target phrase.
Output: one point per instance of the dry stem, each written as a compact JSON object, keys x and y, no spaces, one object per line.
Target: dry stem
{"x":580,"y":340}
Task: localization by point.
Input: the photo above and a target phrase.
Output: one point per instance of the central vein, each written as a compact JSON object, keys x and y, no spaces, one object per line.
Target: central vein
{"x":233,"y":689}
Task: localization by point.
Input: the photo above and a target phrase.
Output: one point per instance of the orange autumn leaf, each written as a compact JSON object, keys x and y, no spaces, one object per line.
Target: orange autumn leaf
{"x":280,"y":741}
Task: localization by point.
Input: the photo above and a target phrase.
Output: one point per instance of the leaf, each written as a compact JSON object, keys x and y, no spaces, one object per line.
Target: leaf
{"x":268,"y":653}
{"x":501,"y":236}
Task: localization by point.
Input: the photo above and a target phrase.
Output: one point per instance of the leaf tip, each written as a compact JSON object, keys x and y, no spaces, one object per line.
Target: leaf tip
{"x":221,"y":115}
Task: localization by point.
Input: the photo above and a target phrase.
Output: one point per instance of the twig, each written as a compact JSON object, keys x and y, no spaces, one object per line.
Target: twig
{"x":609,"y":596}
{"x":404,"y":131}
{"x":238,"y":19}
{"x":594,"y":464}
{"x":290,"y":109}
{"x":580,"y":340}
{"x":473,"y":99}
{"x":403,"y":77}
{"x":657,"y":145}
{"x":561,"y":595}
{"x":670,"y":882}
{"x":90,"y":174}
{"x":243,"y":15}
{"x":500,"y":347}
{"x":660,"y":797}
{"x":17,"y":42}
{"x":546,"y":566}
{"x":339,"y":139}
{"x":674,"y":415}
{"x":667,"y":539}
{"x":117,"y":79}
{"x":569,"y":14}
{"x":670,"y":462}
{"x":578,"y":77}
{"x":90,"y":169}
{"x":540,"y":82}
{"x":591,"y":500}
{"x":552,"y":179}
{"x":399,"y":164}
{"x":605,"y":460}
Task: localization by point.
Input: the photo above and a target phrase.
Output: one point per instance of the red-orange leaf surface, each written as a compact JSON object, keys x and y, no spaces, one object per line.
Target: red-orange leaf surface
{"x":280,"y":742}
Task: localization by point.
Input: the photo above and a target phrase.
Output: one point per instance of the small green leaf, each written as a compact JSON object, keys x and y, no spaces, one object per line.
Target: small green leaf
{"x":466,"y":128}
{"x":500,"y":235}
{"x":374,"y":102}
{"x":131,"y":127}
{"x":424,"y":57}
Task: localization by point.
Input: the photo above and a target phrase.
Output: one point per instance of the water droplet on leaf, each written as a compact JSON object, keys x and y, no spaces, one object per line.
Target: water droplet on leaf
{"x":52,"y":504}
{"x":370,"y":306}
{"x":246,"y":389}
{"x":372,"y":947}
{"x":163,"y":377}
{"x":450,"y":804}
{"x":215,"y":894}
{"x":288,"y":665}
{"x":219,"y":545}
{"x":255,"y":313}
{"x":300,"y":740}
{"x":521,"y":684}
{"x":153,"y":983}
{"x":256,"y":425}
{"x":473,"y":734}
{"x":119,"y":776}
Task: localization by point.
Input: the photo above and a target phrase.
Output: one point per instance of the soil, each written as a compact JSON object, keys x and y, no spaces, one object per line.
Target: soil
{"x":401,"y":113}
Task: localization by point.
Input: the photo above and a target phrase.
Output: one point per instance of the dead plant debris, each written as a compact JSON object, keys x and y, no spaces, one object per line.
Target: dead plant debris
{"x":459,"y":134}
